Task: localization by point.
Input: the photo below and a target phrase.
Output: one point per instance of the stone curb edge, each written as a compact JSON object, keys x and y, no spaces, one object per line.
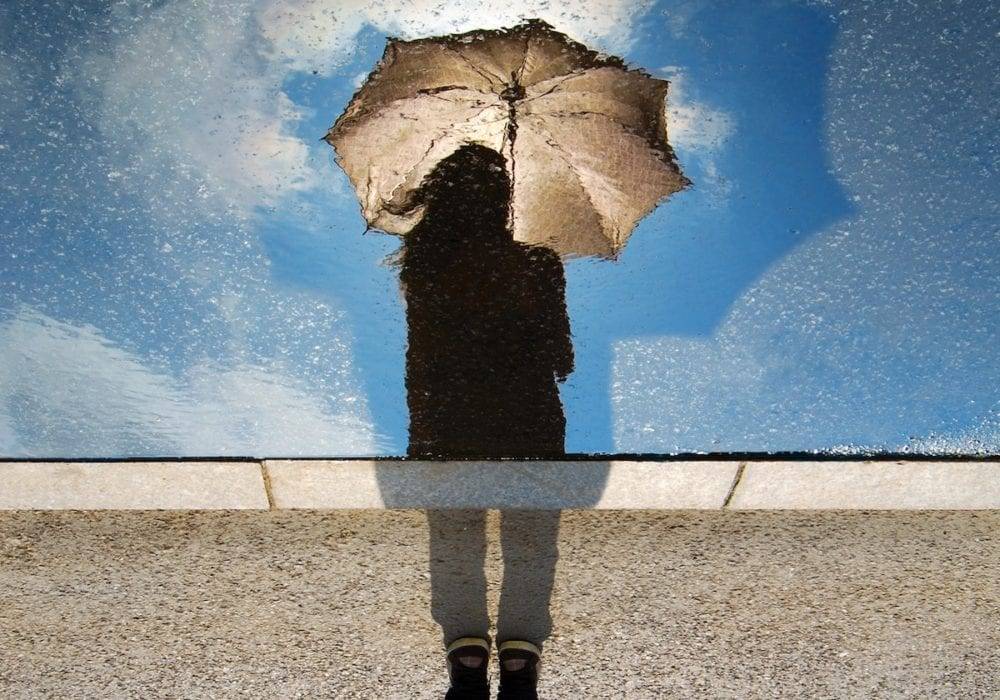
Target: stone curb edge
{"x":614,"y":484}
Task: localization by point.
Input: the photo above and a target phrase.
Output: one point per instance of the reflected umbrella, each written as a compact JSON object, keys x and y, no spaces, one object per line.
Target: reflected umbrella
{"x":578,"y":129}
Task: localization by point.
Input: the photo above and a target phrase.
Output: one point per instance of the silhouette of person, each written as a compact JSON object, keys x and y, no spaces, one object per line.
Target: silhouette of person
{"x":488,"y":339}
{"x":488,"y":332}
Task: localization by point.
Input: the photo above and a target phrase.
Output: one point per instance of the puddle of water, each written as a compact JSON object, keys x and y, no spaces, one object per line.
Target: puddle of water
{"x":183,"y":269}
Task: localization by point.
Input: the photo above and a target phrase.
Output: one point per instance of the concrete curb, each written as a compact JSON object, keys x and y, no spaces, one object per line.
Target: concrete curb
{"x":548,"y":485}
{"x":131,"y":486}
{"x":869,"y":486}
{"x":613,"y":484}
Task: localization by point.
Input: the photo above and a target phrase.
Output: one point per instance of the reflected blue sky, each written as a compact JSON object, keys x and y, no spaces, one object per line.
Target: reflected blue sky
{"x":184,"y":270}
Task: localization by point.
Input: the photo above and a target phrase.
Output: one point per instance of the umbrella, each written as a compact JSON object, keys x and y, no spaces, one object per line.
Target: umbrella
{"x":584,"y":137}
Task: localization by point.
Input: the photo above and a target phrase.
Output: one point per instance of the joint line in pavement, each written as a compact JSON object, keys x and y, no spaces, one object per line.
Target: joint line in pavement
{"x":266,"y":476}
{"x":736,"y":483}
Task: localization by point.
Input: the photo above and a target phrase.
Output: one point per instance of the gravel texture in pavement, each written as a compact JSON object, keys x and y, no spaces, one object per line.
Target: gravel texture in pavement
{"x":338,"y":604}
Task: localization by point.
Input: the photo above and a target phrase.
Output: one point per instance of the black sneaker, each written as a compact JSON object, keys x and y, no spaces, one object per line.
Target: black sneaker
{"x":519,"y":663}
{"x":468,"y":669}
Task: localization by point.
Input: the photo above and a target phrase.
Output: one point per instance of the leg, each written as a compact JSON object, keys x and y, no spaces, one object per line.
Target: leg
{"x":529,"y":541}
{"x":458,"y":581}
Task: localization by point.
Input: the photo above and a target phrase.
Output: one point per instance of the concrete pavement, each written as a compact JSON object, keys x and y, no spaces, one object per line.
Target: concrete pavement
{"x":689,"y":484}
{"x":336,"y":604}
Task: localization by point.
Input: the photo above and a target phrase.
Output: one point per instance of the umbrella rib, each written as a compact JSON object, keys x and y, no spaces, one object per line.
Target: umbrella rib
{"x":508,"y":137}
{"x":581,"y":72}
{"x":524,"y":60}
{"x":559,"y":84}
{"x":511,"y":131}
{"x":665,"y":156}
{"x":652,"y":142}
{"x":465,"y":59}
{"x":550,"y":140}
{"x":399,"y":210}
{"x":402,"y":208}
{"x":436,"y":94}
{"x":434,"y":91}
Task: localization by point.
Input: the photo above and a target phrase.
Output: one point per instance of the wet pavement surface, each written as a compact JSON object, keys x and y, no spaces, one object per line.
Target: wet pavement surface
{"x":644,"y":605}
{"x":180,"y":249}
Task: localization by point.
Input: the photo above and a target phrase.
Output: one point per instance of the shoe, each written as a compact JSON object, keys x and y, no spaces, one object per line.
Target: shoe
{"x":519,"y":662}
{"x":468,"y":669}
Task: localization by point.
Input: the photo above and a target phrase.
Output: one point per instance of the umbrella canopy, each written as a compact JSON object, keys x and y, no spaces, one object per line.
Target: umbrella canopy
{"x":584,"y":137}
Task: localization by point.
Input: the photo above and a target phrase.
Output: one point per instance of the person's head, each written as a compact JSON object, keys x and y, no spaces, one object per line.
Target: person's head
{"x":471,"y":186}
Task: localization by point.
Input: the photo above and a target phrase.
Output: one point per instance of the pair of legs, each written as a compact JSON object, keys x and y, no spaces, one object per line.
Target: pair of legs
{"x":458,"y":580}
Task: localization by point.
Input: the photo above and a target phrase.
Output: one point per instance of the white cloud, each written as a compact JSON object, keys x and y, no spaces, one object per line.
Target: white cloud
{"x":320,"y":34}
{"x":674,"y":393}
{"x":70,"y":391}
{"x":877,"y":332}
{"x":187,"y":93}
{"x":693,"y":126}
{"x":831,"y":349}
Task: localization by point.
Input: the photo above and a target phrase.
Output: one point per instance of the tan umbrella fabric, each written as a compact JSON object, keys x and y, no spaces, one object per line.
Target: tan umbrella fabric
{"x":584,"y":137}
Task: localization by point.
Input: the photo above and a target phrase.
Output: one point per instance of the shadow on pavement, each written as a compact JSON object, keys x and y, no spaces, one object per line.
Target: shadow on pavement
{"x":530,"y":509}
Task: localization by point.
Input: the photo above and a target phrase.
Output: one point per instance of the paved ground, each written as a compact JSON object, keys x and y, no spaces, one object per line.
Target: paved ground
{"x":645,"y":605}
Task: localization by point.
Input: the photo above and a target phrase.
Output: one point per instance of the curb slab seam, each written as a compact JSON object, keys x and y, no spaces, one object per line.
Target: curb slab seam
{"x":736,"y":483}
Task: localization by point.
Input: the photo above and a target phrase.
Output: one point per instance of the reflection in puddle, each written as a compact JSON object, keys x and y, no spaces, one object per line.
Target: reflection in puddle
{"x":74,"y":391}
{"x":488,"y":330}
{"x":584,"y":137}
{"x":830,"y":283}
{"x":473,"y":146}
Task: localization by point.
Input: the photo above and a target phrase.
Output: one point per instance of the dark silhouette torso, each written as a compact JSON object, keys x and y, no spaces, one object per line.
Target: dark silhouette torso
{"x":488,"y":332}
